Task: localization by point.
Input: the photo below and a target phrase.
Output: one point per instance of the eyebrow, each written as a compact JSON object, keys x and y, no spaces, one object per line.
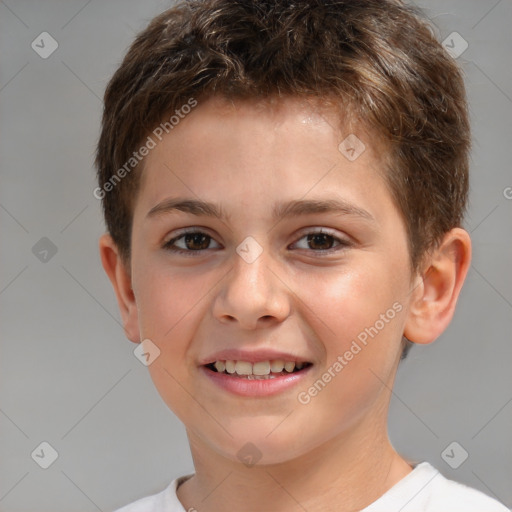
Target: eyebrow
{"x":280,"y":210}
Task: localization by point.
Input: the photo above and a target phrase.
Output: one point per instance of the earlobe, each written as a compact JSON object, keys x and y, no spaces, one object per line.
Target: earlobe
{"x":120,"y":277}
{"x":435,"y":294}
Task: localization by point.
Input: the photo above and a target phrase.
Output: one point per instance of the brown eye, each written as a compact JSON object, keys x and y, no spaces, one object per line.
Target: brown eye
{"x":320,"y":241}
{"x":197,"y":241}
{"x":190,"y":242}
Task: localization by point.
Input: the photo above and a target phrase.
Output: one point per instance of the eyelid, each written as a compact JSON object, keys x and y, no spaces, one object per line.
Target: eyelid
{"x":166,"y":244}
{"x":343,"y":241}
{"x":187,"y":231}
{"x":318,"y":229}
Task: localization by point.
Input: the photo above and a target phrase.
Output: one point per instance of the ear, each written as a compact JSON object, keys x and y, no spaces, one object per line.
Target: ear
{"x":120,"y":277}
{"x":437,"y":289}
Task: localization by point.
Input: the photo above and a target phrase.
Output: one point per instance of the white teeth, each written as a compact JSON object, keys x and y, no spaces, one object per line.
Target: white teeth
{"x":220,"y":366}
{"x":259,"y":369}
{"x":243,"y":368}
{"x":230,"y":366}
{"x":261,"y":377}
{"x":277,"y":365}
{"x":289,"y":366}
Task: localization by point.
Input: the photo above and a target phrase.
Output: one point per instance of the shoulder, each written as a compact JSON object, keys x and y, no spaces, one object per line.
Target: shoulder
{"x":147,"y":504}
{"x":425,"y":489}
{"x":164,"y":501}
{"x":151,"y":503}
{"x":459,"y":497}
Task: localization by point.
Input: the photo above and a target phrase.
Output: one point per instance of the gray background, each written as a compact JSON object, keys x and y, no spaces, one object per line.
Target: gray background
{"x":68,"y":375}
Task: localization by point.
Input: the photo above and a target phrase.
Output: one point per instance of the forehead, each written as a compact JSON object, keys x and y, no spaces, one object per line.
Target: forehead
{"x":275,"y":112}
{"x":257,"y":147}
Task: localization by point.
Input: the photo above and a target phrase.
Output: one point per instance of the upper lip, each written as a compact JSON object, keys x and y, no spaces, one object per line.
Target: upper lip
{"x":252,"y":356}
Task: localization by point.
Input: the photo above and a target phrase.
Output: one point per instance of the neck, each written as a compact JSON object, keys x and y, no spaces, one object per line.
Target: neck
{"x":348,"y":472}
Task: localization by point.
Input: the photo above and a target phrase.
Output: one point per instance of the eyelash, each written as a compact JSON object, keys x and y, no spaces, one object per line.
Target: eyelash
{"x":342,"y":243}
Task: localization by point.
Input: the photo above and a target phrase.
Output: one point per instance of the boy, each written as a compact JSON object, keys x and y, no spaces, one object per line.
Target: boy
{"x":283,"y":186}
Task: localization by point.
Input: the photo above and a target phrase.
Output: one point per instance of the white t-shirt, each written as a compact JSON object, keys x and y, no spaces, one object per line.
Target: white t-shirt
{"x":424,"y":489}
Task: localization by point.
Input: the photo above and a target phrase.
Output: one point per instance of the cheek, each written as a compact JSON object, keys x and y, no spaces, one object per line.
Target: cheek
{"x":357,"y":317}
{"x":169,"y":306}
{"x":166,"y":301}
{"x":343,"y":304}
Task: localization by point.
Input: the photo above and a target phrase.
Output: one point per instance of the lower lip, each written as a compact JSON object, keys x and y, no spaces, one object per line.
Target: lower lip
{"x":255,"y":388}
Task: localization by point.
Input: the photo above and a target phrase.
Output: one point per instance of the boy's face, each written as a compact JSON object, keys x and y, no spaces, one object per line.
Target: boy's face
{"x":309,"y":298}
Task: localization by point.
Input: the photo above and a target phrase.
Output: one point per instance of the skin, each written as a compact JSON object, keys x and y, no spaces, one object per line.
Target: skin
{"x":332,"y":453}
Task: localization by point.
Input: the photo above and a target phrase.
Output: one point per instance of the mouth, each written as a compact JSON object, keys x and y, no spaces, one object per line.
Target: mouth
{"x":261,"y":370}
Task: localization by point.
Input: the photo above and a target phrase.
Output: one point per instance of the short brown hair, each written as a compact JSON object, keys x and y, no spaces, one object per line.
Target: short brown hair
{"x":378,"y":58}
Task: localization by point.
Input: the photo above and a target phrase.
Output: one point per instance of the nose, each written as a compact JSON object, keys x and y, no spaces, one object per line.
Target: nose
{"x":252,"y":294}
